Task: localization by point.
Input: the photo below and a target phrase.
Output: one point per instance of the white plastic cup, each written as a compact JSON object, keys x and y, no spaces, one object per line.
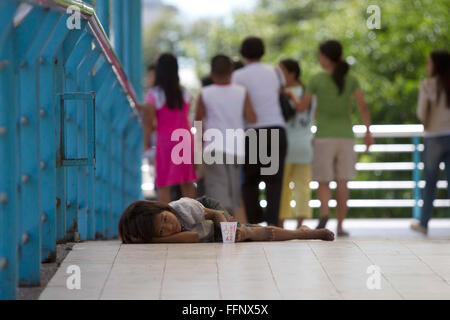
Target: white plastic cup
{"x":228,"y":231}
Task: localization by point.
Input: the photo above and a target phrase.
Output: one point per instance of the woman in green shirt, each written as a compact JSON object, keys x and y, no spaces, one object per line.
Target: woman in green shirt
{"x":334,"y":156}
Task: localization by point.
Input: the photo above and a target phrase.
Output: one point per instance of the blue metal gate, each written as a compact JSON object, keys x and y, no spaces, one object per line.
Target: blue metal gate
{"x":70,"y":135}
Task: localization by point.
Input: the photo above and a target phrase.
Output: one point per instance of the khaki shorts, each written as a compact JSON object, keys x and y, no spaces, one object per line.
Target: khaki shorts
{"x":334,"y":159}
{"x":223,"y":183}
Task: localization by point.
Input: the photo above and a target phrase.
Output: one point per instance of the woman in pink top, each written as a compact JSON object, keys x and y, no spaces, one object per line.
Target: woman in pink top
{"x":166,"y":110}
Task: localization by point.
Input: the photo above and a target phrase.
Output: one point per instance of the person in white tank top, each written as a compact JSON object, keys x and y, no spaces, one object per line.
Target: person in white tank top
{"x":224,"y":107}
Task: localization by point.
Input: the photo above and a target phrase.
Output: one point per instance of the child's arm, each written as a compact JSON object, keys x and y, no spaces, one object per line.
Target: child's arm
{"x":180,"y":237}
{"x":149,"y":124}
{"x":302,"y":104}
{"x":365,"y":115}
{"x":200,"y":110}
{"x":214,"y":215}
{"x":249,"y":112}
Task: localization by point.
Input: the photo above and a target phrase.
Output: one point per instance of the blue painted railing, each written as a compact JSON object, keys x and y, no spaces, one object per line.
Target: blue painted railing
{"x":70,"y":135}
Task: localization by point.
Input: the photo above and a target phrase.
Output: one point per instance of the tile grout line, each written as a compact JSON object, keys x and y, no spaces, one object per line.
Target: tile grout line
{"x":429,"y":267}
{"x":271,"y":272}
{"x":218,"y":278}
{"x":109,"y":273}
{"x":384,"y":276}
{"x":326,"y":272}
{"x":164,"y":273}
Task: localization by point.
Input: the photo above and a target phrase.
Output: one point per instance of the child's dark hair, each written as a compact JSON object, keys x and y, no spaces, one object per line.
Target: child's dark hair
{"x":293,"y":66}
{"x":441,"y":70}
{"x":221,"y":65}
{"x":206,"y":81}
{"x":237,"y":64}
{"x":136,"y":222}
{"x":332,"y":49}
{"x":252,"y":48}
{"x":167,"y":79}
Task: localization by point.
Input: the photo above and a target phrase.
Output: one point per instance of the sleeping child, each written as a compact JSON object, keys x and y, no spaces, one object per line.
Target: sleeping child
{"x":188,"y":220}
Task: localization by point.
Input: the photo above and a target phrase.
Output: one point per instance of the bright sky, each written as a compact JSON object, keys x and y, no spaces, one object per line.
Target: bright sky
{"x":210,"y":8}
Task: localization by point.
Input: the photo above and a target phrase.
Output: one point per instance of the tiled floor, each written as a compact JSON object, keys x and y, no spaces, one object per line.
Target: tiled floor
{"x":412,"y":267}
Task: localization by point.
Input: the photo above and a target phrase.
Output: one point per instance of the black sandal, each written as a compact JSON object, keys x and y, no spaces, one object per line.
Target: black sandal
{"x":322,"y":222}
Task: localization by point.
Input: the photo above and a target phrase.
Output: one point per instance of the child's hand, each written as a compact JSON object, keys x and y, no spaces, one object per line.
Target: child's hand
{"x":231,"y":219}
{"x":219,"y":217}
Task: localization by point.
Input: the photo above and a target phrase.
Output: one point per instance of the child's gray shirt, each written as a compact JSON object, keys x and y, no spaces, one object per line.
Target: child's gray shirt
{"x":191,"y":215}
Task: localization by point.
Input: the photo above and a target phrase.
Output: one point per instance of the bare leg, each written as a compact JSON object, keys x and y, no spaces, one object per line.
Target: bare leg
{"x":342,"y":195}
{"x":324,"y":195}
{"x":279,"y":234}
{"x":164,"y":194}
{"x":188,"y":190}
{"x":299,"y":222}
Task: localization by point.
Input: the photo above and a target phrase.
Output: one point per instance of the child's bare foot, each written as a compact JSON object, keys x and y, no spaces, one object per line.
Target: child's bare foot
{"x":241,"y":234}
{"x":325,"y":234}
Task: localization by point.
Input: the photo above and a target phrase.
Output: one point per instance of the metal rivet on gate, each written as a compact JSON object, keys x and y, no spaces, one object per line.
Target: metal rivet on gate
{"x":3,"y":64}
{"x":41,"y":60}
{"x":86,"y":172}
{"x":68,"y":204}
{"x":42,"y":165}
{"x":88,"y":209}
{"x":67,"y":117}
{"x":24,"y":120}
{"x":3,"y":131}
{"x":3,"y":263}
{"x":44,"y":217}
{"x":25,"y":238}
{"x":3,"y":197}
{"x":25,"y":178}
{"x":42,"y":112}
{"x":58,"y":202}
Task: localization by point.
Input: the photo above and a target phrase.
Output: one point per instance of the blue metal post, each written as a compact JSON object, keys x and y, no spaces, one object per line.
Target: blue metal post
{"x":73,"y":51}
{"x":127,"y":49}
{"x":416,"y":177}
{"x":30,"y":231}
{"x":105,"y":94}
{"x":84,"y":78}
{"x":47,"y":148}
{"x":61,"y":197}
{"x":137,"y":65}
{"x":52,"y":68}
{"x":8,"y":157}
{"x":102,"y":83}
{"x":118,"y":28}
{"x":103,"y":12}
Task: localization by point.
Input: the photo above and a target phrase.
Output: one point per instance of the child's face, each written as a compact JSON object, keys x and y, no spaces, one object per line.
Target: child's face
{"x":289,"y":76}
{"x":325,"y":63}
{"x":165,"y":224}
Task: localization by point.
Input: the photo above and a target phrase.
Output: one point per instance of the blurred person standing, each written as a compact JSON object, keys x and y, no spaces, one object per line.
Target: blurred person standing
{"x":434,"y":112}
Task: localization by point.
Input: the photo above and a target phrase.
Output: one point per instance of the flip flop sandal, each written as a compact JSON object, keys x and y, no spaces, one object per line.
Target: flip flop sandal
{"x":322,"y":223}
